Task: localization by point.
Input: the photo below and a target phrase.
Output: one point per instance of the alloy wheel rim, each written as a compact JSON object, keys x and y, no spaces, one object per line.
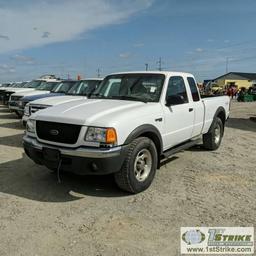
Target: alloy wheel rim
{"x":217,"y":134}
{"x":142,"y":165}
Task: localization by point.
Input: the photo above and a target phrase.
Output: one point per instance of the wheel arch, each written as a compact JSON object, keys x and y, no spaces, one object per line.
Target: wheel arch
{"x":220,"y":113}
{"x":151,"y":132}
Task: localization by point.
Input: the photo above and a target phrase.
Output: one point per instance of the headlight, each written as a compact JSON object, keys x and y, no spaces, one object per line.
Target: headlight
{"x":20,"y":103}
{"x":31,"y":125}
{"x":24,"y":103}
{"x":26,"y":110}
{"x":101,"y":135}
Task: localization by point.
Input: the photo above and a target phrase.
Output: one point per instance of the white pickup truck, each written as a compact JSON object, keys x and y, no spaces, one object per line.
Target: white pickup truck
{"x":79,"y":91}
{"x":131,"y":122}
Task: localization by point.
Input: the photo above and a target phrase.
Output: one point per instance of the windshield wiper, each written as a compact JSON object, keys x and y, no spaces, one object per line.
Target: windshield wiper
{"x":96,"y":95}
{"x":126,"y":97}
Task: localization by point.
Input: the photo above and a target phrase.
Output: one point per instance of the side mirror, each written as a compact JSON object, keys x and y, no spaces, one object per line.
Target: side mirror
{"x":174,"y":100}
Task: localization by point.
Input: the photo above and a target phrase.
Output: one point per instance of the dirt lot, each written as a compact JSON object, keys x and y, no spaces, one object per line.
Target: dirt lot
{"x":90,"y":216}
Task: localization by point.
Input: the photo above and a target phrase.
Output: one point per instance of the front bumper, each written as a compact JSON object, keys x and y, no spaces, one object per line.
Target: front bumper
{"x":25,"y":119}
{"x":82,"y":160}
{"x":6,"y":97}
{"x":13,"y":105}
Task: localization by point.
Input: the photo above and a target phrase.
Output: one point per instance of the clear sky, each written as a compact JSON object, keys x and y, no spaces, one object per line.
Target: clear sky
{"x":79,"y":36}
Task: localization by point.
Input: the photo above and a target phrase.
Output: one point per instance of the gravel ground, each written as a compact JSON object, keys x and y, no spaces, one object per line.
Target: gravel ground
{"x":90,"y":216}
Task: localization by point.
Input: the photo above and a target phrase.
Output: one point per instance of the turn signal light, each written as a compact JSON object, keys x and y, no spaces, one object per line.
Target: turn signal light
{"x":111,"y":137}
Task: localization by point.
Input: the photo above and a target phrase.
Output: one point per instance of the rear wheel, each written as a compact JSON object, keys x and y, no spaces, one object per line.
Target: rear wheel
{"x":139,"y":168}
{"x":213,"y":138}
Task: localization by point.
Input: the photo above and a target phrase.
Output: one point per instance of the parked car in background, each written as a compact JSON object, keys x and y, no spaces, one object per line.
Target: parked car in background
{"x":59,"y":89}
{"x":5,"y":87}
{"x":80,"y":90}
{"x":127,"y":126}
{"x":252,"y":90}
{"x":18,"y":87}
{"x":8,"y":89}
{"x":41,"y":87}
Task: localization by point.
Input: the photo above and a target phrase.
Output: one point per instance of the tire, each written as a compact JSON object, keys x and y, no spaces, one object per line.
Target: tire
{"x":213,"y":138}
{"x":137,"y":174}
{"x":18,"y":114}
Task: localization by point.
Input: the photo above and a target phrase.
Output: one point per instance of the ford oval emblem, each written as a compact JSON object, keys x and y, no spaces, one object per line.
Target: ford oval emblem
{"x":54,"y":132}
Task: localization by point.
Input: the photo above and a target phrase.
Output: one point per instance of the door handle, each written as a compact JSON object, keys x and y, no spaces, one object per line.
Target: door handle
{"x":190,"y":109}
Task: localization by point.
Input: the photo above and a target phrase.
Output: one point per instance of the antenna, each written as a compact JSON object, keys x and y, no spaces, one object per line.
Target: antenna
{"x":98,"y":72}
{"x":159,"y":64}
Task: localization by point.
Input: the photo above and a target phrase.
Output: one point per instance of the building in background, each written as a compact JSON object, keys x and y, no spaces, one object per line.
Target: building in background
{"x":236,"y":79}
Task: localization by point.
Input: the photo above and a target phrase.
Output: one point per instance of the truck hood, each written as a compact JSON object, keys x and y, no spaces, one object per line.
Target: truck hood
{"x":53,"y":101}
{"x":2,"y":89}
{"x":30,"y":93}
{"x":40,"y":96}
{"x":20,"y":89}
{"x":96,"y":112}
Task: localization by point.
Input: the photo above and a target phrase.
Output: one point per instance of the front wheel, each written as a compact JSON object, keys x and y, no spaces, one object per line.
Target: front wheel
{"x":212,"y":139}
{"x":139,"y":168}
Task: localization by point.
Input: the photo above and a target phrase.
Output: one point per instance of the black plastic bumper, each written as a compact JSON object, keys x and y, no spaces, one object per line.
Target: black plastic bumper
{"x":93,"y":165}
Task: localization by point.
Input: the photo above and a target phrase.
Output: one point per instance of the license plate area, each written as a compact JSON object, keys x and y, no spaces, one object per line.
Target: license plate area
{"x":50,"y":154}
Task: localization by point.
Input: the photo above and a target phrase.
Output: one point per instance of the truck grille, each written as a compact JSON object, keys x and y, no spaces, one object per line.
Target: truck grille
{"x":58,"y":132}
{"x":15,"y":98}
{"x":34,"y":108}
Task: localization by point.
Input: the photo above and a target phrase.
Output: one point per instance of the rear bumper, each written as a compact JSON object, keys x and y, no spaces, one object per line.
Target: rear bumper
{"x":82,"y":160}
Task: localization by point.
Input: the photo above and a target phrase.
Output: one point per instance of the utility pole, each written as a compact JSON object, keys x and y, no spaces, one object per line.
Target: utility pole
{"x":227,"y":62}
{"x":98,"y":72}
{"x":159,"y":64}
{"x":146,"y":66}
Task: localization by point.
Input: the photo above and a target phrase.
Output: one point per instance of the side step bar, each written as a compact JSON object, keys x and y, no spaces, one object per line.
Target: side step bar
{"x":180,"y":147}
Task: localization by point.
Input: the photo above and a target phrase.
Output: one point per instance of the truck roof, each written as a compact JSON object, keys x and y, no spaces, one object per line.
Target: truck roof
{"x":166,"y":73}
{"x":88,"y":79}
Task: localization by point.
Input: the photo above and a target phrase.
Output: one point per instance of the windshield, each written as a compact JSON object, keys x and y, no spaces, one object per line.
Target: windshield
{"x":84,"y":87}
{"x":6,"y":85}
{"x":34,"y":84}
{"x":140,"y":87}
{"x":17,"y":85}
{"x":47,"y":86}
{"x":23,"y":84}
{"x":63,"y":87}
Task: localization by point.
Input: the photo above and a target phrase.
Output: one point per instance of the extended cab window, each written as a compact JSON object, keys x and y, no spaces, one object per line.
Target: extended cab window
{"x":177,"y":89}
{"x":193,"y":88}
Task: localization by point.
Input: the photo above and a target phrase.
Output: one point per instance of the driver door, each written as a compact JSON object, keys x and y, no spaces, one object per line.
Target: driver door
{"x":179,"y":117}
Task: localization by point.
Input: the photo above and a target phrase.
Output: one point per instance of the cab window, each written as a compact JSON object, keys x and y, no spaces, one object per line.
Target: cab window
{"x":177,"y":90}
{"x":193,"y":88}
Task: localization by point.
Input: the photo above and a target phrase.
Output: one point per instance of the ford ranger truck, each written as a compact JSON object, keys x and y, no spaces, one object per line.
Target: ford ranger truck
{"x":127,"y":127}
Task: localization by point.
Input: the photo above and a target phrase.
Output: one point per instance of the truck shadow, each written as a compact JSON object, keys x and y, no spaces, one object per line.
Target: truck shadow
{"x":4,"y":110}
{"x":197,"y":148}
{"x":12,"y":141}
{"x":242,"y":124}
{"x":25,"y":179}
{"x":9,"y":115}
{"x":168,"y":160}
{"x":13,"y":125}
